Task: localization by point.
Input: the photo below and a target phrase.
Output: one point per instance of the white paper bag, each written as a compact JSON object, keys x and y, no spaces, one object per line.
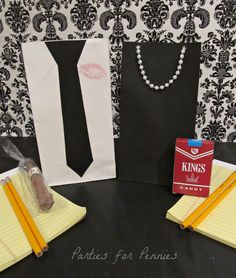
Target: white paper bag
{"x":44,"y":87}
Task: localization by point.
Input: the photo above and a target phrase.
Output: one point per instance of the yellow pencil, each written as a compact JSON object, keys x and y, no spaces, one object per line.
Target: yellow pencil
{"x":38,"y":236}
{"x":28,"y":233}
{"x":206,"y":212}
{"x":187,"y":222}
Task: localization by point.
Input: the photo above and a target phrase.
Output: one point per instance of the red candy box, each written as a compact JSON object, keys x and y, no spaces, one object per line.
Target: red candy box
{"x":192,"y":168}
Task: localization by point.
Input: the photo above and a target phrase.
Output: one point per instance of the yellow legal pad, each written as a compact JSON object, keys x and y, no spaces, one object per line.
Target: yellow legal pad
{"x":220,"y":224}
{"x":13,"y":243}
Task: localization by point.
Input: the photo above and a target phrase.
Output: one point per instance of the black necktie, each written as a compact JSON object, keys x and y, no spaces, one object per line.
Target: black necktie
{"x":77,"y":145}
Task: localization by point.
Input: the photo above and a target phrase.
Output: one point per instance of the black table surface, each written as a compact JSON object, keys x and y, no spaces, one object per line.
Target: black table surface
{"x":125,"y":234}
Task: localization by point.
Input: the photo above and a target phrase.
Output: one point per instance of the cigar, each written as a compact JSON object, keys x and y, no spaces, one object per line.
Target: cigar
{"x":43,"y":196}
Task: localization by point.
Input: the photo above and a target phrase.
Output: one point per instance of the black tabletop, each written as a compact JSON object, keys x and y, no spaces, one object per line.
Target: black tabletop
{"x":125,"y":234}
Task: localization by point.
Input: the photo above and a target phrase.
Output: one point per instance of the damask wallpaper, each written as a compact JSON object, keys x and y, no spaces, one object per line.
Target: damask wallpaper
{"x":211,"y":22}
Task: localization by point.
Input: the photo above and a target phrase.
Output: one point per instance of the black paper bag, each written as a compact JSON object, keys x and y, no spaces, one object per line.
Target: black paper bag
{"x":151,"y":120}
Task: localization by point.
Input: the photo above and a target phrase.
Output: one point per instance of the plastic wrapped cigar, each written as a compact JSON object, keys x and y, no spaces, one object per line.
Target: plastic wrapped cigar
{"x":42,"y":194}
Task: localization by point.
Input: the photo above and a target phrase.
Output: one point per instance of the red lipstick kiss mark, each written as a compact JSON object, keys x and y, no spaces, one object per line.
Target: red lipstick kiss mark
{"x":92,"y":71}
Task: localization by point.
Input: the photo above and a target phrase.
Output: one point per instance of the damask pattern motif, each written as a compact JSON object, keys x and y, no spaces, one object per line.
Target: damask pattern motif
{"x":8,"y":124}
{"x":225,"y":13}
{"x":2,"y":4}
{"x":49,"y":15}
{"x":118,"y":14}
{"x":219,"y":90}
{"x":190,"y":13}
{"x":17,"y":17}
{"x":84,"y":16}
{"x":213,"y":23}
{"x":154,"y":14}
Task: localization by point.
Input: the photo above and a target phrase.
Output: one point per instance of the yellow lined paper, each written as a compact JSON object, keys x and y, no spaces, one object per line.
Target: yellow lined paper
{"x":13,"y":243}
{"x":220,"y":224}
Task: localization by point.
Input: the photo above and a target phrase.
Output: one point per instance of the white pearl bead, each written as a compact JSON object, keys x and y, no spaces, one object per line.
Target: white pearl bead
{"x":171,"y":81}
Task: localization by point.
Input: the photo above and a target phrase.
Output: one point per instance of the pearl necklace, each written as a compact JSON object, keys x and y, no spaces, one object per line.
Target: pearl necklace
{"x":171,"y":81}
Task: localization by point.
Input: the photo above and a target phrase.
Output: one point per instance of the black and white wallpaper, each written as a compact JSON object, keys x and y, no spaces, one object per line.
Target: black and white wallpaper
{"x":212,"y":22}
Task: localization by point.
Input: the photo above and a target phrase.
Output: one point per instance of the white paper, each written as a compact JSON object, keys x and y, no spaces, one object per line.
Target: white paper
{"x":43,"y":82}
{"x":224,"y":164}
